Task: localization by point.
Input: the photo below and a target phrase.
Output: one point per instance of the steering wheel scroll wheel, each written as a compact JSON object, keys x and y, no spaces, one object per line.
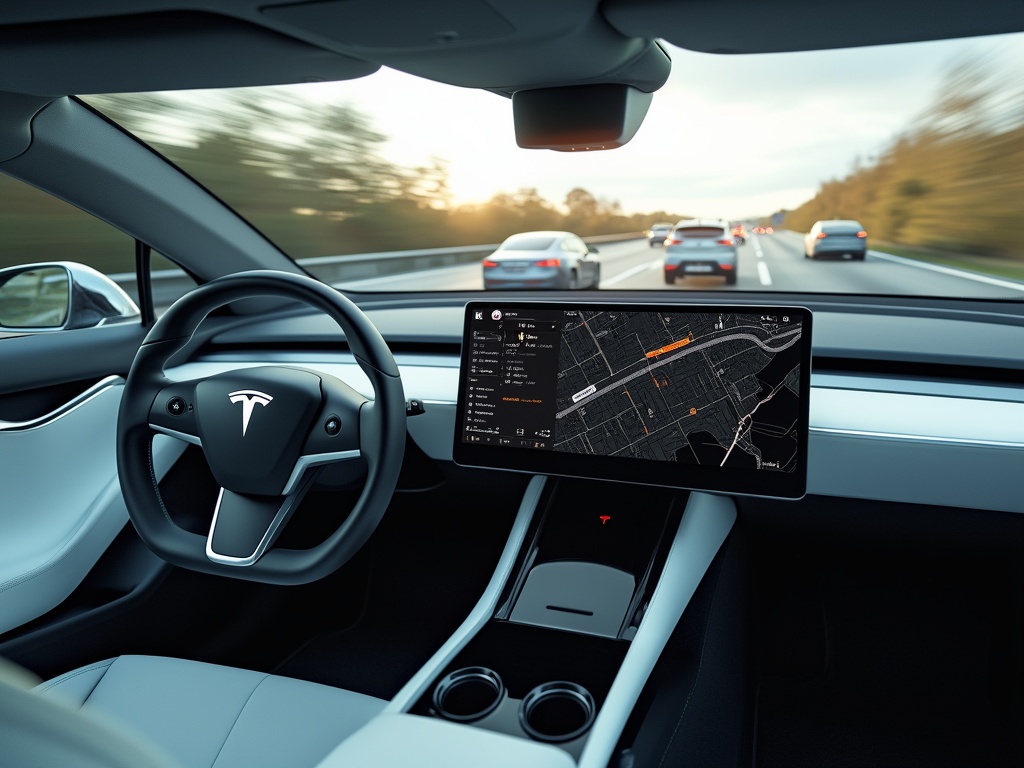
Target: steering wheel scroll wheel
{"x":264,"y":431}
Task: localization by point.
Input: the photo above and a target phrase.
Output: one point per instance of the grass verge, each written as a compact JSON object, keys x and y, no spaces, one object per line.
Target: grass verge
{"x":984,"y":265}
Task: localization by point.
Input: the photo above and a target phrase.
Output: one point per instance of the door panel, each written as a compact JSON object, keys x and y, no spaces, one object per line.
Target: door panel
{"x":61,"y":504}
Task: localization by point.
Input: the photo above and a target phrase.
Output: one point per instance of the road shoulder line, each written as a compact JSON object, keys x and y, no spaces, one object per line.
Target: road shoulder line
{"x":948,"y":271}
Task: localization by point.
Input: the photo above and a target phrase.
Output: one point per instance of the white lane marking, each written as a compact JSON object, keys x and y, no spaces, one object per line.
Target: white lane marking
{"x":757,"y":247}
{"x":629,"y":273}
{"x":948,"y":271}
{"x":763,"y":274}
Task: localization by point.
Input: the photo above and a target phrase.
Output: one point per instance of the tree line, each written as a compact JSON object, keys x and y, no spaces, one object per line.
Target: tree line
{"x":312,"y":176}
{"x":953,"y":181}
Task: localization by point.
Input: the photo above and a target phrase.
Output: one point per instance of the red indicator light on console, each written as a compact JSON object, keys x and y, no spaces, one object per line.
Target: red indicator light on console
{"x":604,"y":519}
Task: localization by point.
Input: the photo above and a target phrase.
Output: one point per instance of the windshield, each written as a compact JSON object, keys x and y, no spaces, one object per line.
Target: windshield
{"x":391,"y":182}
{"x":527,"y":243}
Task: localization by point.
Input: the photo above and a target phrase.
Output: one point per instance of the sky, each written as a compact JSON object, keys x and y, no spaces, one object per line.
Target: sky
{"x":727,"y":136}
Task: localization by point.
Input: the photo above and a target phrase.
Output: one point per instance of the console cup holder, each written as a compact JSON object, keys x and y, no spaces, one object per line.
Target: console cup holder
{"x":468,"y":694}
{"x":557,"y":711}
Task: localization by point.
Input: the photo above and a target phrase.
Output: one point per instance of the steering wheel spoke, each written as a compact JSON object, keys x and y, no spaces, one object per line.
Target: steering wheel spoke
{"x":244,"y":527}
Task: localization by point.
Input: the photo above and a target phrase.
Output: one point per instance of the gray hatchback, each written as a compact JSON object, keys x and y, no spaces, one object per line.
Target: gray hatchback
{"x":700,"y":248}
{"x":836,"y":237}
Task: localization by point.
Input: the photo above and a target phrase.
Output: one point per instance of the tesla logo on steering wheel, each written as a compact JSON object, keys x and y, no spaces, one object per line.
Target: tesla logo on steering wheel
{"x":248,"y":398}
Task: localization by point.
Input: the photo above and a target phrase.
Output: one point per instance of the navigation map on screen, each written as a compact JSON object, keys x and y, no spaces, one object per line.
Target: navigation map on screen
{"x":713,"y":387}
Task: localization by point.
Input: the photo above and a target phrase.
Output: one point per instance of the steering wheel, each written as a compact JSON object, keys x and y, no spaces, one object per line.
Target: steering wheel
{"x":263,"y":431}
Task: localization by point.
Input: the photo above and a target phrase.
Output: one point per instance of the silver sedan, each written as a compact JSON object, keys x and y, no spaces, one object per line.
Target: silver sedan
{"x":542,"y":260}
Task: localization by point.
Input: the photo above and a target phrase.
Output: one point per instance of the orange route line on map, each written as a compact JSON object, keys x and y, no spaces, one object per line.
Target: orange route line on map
{"x":670,"y":347}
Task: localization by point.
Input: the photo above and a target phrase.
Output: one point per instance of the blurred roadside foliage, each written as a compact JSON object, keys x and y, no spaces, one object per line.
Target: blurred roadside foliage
{"x":37,"y":227}
{"x":953,"y":181}
{"x":313,"y":176}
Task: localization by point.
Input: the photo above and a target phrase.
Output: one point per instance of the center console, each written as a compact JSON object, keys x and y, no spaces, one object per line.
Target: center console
{"x":638,"y":411}
{"x":542,"y":666}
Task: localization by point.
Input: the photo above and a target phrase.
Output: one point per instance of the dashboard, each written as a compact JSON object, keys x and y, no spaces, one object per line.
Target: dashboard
{"x":906,"y":404}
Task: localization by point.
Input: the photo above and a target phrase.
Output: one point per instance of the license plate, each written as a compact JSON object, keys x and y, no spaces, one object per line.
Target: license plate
{"x":697,"y":268}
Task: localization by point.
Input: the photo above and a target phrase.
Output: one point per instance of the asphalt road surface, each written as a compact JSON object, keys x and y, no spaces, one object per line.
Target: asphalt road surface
{"x":766,"y":262}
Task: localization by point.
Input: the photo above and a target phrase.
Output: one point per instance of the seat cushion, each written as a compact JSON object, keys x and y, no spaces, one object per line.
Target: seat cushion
{"x":209,"y":716}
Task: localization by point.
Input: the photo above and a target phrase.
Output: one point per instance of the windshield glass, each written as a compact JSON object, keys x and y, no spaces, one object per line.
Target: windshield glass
{"x":527,"y":243}
{"x":391,"y":182}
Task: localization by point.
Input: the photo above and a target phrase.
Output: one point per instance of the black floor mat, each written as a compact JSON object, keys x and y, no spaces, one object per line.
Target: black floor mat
{"x":914,"y":668}
{"x":431,"y":560}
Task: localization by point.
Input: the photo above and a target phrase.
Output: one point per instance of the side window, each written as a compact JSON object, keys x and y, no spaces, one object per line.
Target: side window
{"x":39,"y":230}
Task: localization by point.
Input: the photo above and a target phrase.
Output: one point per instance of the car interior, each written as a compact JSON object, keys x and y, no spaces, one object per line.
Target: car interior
{"x":278,"y":522}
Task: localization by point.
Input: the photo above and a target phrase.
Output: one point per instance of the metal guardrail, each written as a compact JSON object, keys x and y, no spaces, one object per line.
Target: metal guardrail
{"x":170,"y":284}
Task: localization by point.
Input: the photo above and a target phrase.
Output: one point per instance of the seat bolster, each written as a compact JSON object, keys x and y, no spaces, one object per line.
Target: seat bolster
{"x":411,"y":741}
{"x":209,"y":716}
{"x":76,"y":686}
{"x":292,"y":722}
{"x":50,"y":729}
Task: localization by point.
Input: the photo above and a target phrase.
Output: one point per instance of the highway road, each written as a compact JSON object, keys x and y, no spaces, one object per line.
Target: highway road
{"x":766,"y":262}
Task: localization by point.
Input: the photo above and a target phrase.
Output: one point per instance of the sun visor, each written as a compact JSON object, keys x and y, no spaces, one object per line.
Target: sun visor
{"x":171,"y":50}
{"x":578,"y":118}
{"x":754,"y":26}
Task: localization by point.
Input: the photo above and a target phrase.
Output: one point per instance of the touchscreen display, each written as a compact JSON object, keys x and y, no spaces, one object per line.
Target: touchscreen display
{"x":703,"y":397}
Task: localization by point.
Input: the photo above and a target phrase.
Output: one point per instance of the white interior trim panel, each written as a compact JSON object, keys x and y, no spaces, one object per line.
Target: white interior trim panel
{"x":884,"y":439}
{"x":55,"y":523}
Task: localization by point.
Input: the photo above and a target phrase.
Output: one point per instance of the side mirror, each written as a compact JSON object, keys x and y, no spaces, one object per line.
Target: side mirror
{"x":61,"y":296}
{"x":591,"y":249}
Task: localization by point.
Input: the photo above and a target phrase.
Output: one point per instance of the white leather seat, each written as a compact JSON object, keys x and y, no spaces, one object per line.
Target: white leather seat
{"x":208,"y":716}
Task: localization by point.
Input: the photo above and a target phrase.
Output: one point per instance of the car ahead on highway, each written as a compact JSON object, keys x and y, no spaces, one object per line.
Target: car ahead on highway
{"x":298,"y":518}
{"x":657,"y":234}
{"x":542,"y":260}
{"x":700,"y":248}
{"x":739,"y":234}
{"x":836,"y":237}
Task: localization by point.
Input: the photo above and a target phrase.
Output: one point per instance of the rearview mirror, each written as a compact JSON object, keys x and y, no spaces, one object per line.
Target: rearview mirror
{"x":60,"y":295}
{"x":579,"y":117}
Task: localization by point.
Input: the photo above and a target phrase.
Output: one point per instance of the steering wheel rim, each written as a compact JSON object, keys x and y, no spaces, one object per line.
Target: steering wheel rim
{"x":381,"y":430}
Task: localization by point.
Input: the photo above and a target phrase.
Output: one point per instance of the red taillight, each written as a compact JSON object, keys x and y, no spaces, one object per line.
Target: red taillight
{"x":726,"y":267}
{"x":724,"y":242}
{"x":673,"y":242}
{"x":770,"y":231}
{"x":669,"y":267}
{"x":822,"y":235}
{"x":548,"y":263}
{"x":489,"y":263}
{"x":862,"y":233}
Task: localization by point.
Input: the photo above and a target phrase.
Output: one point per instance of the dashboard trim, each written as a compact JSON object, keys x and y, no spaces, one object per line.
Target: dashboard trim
{"x":918,"y":435}
{"x":918,"y":438}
